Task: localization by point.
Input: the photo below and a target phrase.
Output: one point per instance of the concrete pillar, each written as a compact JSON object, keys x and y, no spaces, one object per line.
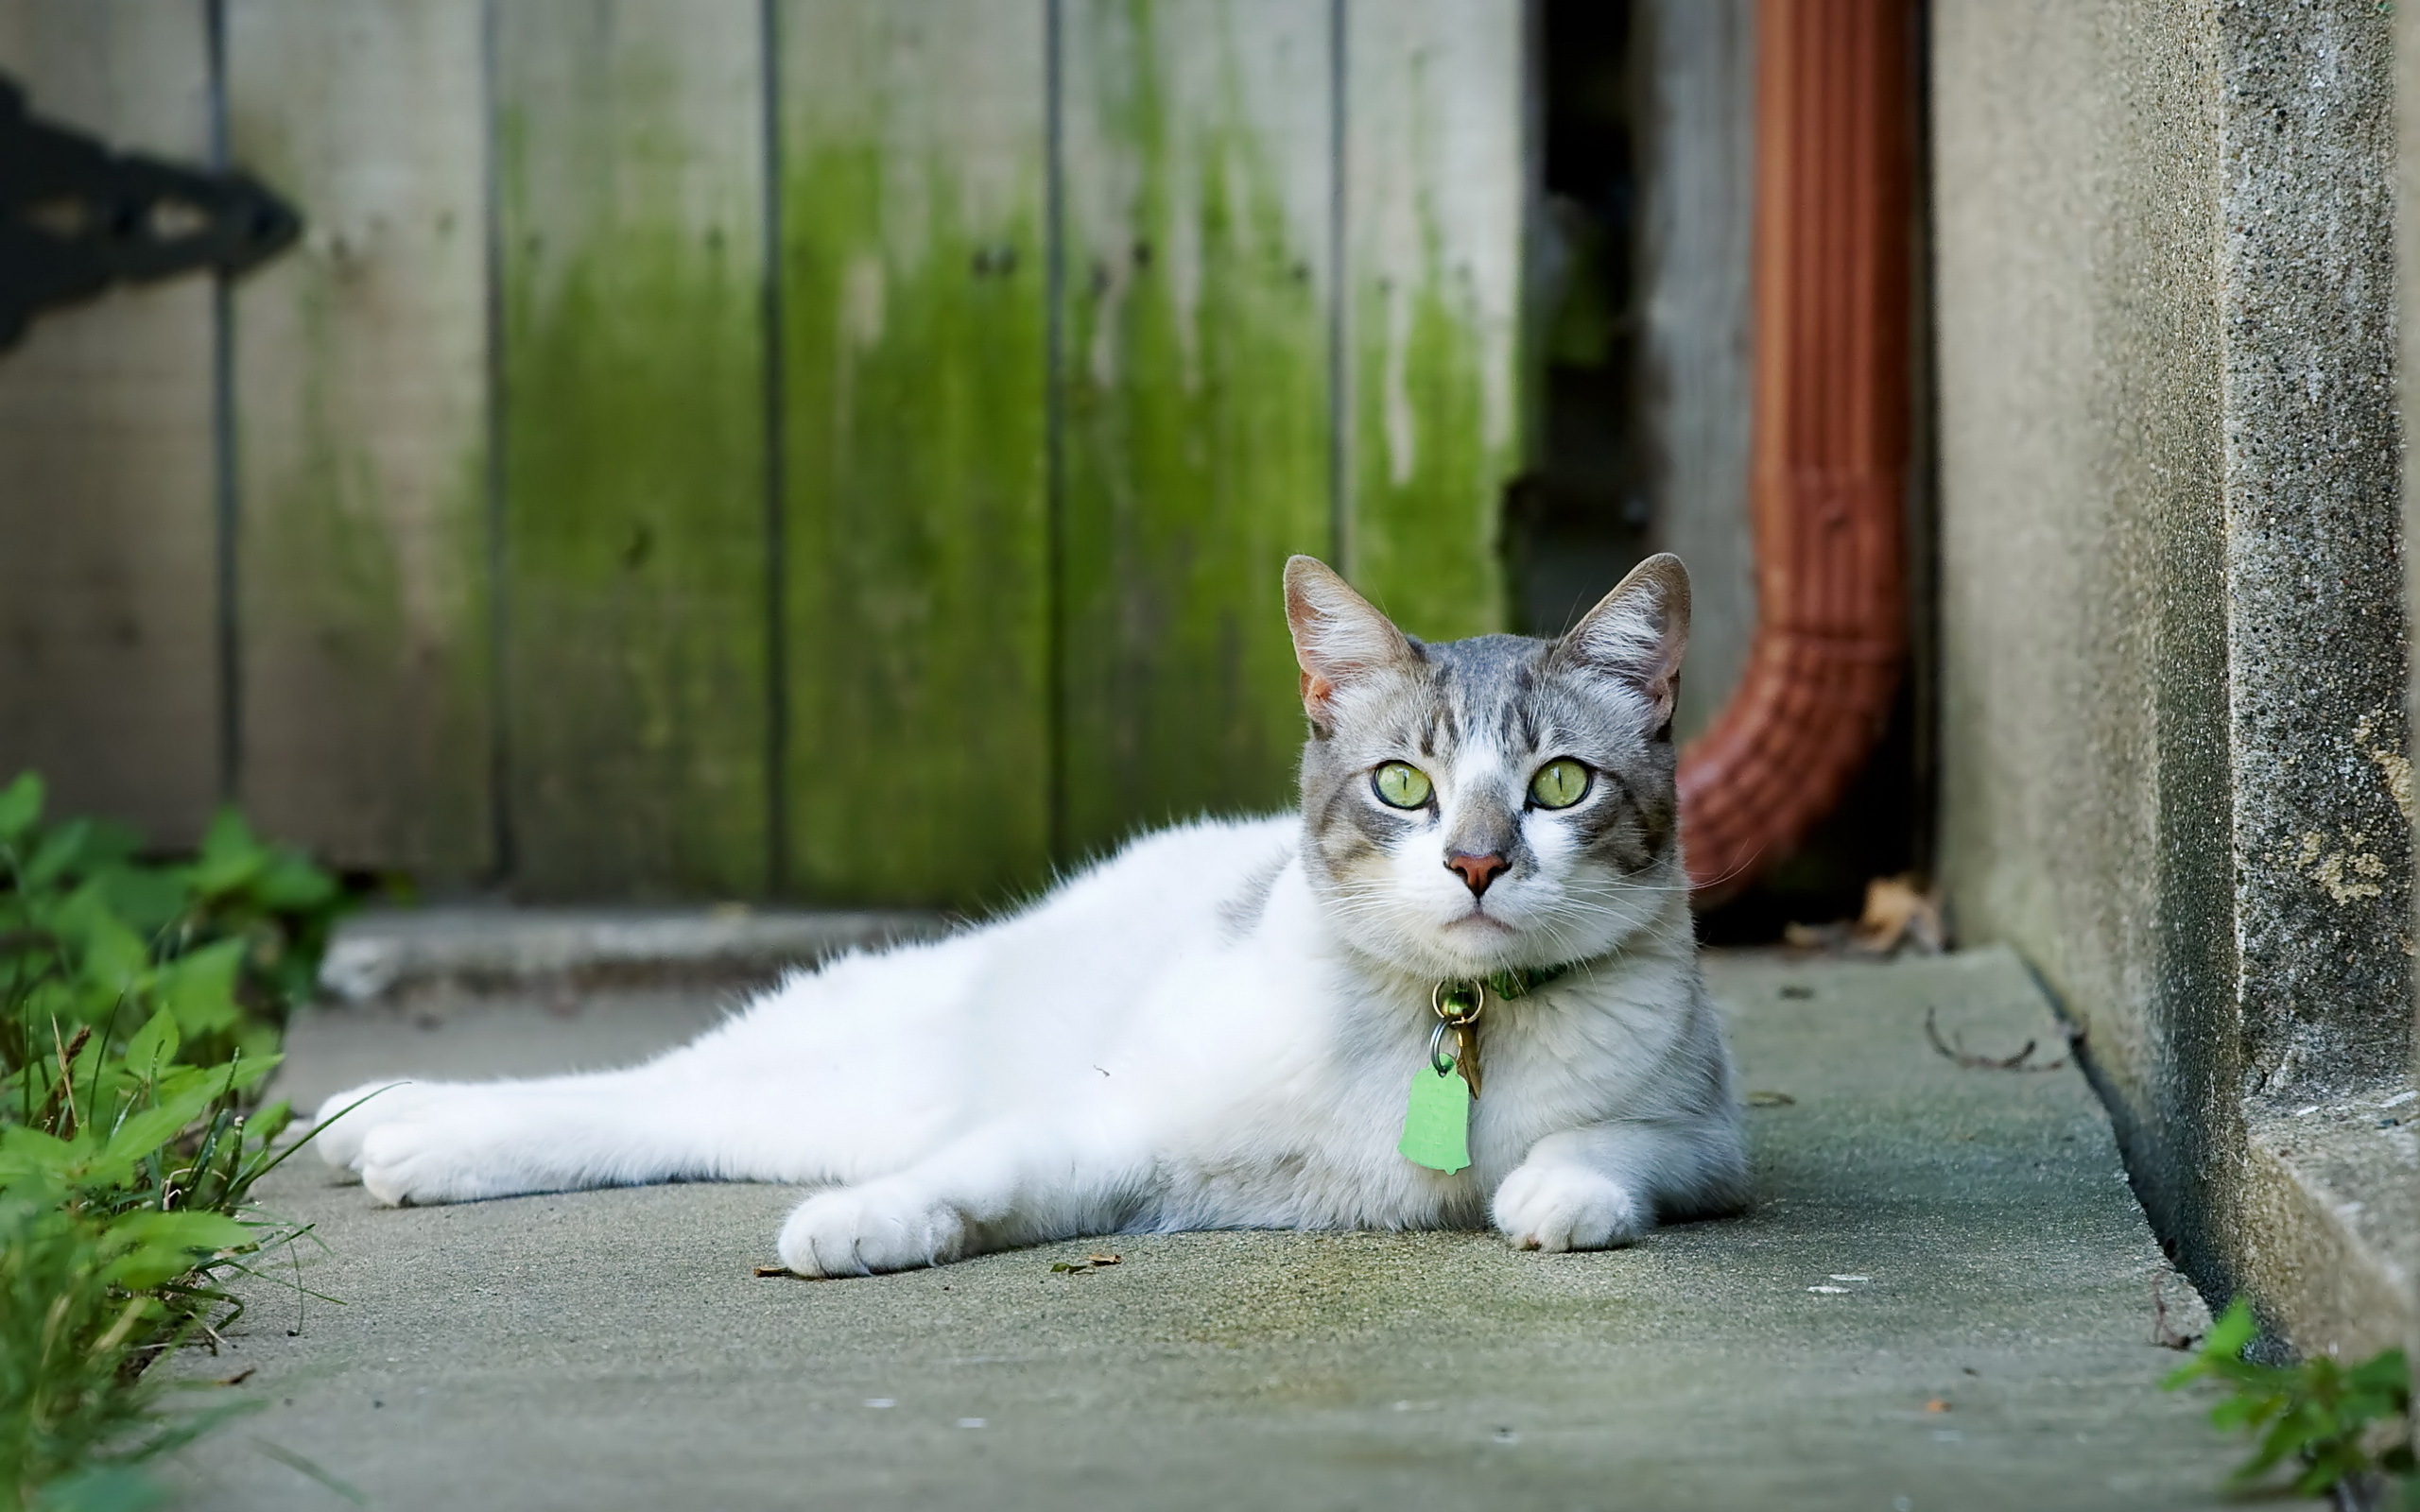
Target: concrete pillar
{"x":2173,"y":641}
{"x":2407,"y":245}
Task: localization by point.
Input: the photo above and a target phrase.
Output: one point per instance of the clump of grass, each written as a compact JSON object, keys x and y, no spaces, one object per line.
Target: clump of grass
{"x":2336,"y":1427}
{"x":141,"y":1005}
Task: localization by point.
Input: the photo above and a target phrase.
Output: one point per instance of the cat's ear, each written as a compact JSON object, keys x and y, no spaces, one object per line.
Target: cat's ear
{"x":1639,"y":632}
{"x":1339,"y":638}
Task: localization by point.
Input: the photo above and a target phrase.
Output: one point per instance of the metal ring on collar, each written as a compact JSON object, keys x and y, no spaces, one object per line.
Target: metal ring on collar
{"x":1437,"y":1001}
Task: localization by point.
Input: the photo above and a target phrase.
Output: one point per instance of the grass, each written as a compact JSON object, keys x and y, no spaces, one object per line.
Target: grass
{"x":2333,"y":1426}
{"x":144,"y":1004}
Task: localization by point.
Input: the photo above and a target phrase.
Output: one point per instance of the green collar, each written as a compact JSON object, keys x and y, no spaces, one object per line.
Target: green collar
{"x":1464,"y":997}
{"x":1521,"y":981}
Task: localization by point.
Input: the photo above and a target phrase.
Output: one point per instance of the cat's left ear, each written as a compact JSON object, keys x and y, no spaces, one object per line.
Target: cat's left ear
{"x":1339,"y":638}
{"x":1639,"y":632}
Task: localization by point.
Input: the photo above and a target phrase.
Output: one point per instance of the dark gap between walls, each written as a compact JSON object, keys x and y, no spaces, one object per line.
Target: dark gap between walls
{"x":1580,"y":518}
{"x":1585,"y":512}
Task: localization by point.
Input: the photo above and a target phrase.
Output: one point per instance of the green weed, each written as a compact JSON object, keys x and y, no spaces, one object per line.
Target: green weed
{"x":143,"y":1008}
{"x":2333,"y":1423}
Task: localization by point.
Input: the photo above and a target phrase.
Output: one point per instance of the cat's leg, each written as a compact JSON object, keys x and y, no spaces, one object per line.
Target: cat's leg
{"x":1017,"y":1181}
{"x":1606,"y":1185}
{"x":438,"y":1142}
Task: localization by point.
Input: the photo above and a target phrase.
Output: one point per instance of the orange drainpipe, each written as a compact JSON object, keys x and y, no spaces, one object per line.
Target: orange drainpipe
{"x":1829,"y":447}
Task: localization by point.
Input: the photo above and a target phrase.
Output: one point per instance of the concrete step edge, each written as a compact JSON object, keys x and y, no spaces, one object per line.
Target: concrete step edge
{"x":390,"y":953}
{"x":2332,"y":1219}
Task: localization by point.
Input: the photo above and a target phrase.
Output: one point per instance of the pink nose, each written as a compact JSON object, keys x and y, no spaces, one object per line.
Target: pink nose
{"x":1478,"y":871}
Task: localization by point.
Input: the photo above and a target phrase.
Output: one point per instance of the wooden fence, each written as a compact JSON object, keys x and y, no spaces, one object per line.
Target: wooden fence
{"x":830,"y":449}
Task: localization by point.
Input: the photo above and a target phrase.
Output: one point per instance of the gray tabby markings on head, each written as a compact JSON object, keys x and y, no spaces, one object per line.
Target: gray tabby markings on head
{"x":1603,"y":693}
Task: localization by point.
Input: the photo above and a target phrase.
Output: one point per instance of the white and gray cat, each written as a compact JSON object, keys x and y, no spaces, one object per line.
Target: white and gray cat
{"x":1217,"y":1027}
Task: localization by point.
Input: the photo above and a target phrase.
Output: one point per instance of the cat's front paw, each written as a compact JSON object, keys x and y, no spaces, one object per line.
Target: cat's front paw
{"x":878,"y":1227}
{"x":454,"y":1152}
{"x":422,"y":1142}
{"x":1565,"y":1206}
{"x":344,"y":1121}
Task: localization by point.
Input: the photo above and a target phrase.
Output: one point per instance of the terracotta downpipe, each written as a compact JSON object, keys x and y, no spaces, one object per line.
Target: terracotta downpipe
{"x":1829,"y":440}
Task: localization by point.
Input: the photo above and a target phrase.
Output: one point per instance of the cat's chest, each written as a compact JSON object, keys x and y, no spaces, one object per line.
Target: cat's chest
{"x":1312,"y":1134}
{"x":1527,"y":1092}
{"x":1283,"y":1087}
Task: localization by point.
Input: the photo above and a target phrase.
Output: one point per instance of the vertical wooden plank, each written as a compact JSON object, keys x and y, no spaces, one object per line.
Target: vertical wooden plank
{"x":1694,"y":303}
{"x":1437,"y":178}
{"x":630,"y":136}
{"x":109,"y":596}
{"x":360,"y":361}
{"x":914,"y":285}
{"x":1197,"y":180}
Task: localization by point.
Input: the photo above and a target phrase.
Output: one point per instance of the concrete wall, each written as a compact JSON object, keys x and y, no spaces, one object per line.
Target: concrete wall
{"x":2407,"y":249}
{"x":2171,"y":618}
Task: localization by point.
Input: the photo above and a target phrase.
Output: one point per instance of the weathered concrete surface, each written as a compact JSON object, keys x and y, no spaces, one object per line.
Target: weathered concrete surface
{"x":2407,"y":245}
{"x":450,"y":953}
{"x":2084,"y":668}
{"x":2332,"y":1218}
{"x":612,"y":1349}
{"x":2314,"y":609}
{"x":2174,"y":643}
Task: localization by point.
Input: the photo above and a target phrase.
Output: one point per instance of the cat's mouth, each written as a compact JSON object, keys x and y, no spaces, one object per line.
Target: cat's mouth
{"x":1481,"y":917}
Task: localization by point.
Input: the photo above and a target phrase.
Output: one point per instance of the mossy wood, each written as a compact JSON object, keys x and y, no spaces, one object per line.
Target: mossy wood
{"x":108,"y":601}
{"x":630,"y":138}
{"x":361,"y":358}
{"x":1198,"y":173}
{"x":915,"y":512}
{"x":579,"y":546}
{"x":1440,"y":402}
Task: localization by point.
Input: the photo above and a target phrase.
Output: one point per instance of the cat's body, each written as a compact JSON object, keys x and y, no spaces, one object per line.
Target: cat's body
{"x":1217,"y":1026}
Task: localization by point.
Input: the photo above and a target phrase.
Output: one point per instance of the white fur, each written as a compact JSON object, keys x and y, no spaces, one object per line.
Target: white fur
{"x":1142,"y":1050}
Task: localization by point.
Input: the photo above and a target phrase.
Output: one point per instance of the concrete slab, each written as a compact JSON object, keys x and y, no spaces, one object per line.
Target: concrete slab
{"x":1942,"y":1299}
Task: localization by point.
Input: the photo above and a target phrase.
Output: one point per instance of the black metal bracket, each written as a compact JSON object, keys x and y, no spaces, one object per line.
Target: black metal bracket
{"x":76,"y":217}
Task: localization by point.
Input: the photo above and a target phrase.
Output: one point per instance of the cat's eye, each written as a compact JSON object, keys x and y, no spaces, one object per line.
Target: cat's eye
{"x":1560,"y":784}
{"x":1400,"y":785}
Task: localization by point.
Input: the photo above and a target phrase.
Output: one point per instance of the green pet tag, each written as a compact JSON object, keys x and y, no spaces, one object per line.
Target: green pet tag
{"x":1437,"y":1121}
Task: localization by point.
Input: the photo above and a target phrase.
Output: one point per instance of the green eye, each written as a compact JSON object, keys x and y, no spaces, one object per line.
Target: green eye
{"x":1400,"y":785}
{"x":1560,"y":784}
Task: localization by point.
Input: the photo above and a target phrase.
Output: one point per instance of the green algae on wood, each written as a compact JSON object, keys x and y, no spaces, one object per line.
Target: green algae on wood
{"x":360,"y":365}
{"x":1428,"y":487}
{"x":630,"y":143}
{"x":917,"y":533}
{"x":1196,"y":400}
{"x":1435,"y":162}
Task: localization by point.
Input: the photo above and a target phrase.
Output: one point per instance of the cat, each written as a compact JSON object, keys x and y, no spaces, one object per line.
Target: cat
{"x":1216,"y":1027}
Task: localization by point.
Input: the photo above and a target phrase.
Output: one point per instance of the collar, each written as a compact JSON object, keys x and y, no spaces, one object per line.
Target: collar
{"x":1460,"y":1000}
{"x":1520,"y":981}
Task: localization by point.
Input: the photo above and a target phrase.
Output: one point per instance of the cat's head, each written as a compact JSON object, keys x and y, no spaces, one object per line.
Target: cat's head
{"x":1500,"y":802}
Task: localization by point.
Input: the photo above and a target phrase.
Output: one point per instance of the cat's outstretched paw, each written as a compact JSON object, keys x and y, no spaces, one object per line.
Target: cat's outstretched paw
{"x":878,"y":1227}
{"x":420,"y":1162}
{"x":344,"y":1121}
{"x":1565,"y":1206}
{"x":418,"y":1143}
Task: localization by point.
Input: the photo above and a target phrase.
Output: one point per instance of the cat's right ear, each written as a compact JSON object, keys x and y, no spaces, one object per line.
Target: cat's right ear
{"x":1639,"y":633}
{"x":1339,"y":638}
